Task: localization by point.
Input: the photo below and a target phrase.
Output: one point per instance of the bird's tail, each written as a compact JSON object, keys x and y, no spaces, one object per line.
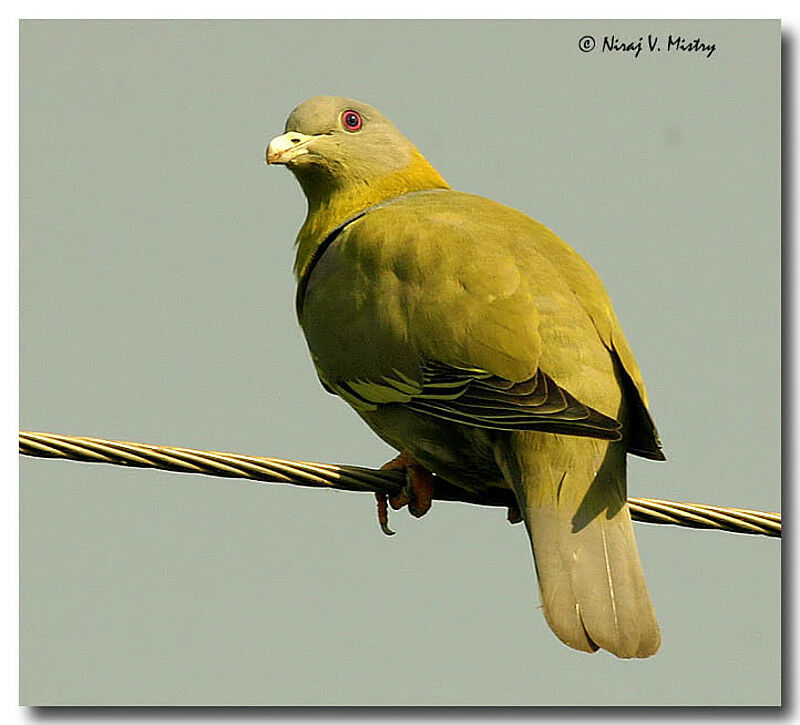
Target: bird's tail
{"x":572,"y":495}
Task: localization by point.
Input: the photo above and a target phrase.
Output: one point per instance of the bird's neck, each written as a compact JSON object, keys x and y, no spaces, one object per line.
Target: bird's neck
{"x":331,"y":204}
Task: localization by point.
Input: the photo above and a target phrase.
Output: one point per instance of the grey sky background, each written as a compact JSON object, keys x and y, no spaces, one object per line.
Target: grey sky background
{"x":157,"y":306}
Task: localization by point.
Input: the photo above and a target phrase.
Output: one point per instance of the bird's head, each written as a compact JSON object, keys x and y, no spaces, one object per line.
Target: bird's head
{"x":335,"y":144}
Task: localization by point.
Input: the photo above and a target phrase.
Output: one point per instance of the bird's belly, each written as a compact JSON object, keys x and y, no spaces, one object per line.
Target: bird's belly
{"x":462,"y":455}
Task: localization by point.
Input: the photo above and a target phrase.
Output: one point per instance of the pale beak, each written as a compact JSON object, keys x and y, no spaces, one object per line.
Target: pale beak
{"x":285,"y":149}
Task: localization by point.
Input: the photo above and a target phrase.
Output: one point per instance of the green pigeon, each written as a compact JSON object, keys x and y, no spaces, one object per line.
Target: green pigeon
{"x":474,"y":341}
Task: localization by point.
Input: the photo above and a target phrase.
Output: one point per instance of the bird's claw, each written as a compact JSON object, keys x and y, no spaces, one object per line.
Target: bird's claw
{"x":383,"y":514}
{"x":417,"y":494}
{"x":514,"y":516}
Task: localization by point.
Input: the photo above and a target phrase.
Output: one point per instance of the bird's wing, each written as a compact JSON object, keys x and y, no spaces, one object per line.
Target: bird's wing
{"x":426,"y":302}
{"x":481,"y":399}
{"x":643,"y":438}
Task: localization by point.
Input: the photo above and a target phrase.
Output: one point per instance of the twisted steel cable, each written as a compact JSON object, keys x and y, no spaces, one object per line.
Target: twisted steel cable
{"x":356,"y":478}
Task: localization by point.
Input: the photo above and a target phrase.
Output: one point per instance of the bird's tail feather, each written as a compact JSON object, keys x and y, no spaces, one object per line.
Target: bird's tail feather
{"x":572,"y":495}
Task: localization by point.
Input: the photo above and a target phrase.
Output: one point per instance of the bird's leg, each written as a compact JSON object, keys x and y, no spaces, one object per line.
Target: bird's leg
{"x":417,"y":493}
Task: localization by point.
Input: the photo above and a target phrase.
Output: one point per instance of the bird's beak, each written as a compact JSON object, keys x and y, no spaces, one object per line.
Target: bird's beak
{"x":285,"y":149}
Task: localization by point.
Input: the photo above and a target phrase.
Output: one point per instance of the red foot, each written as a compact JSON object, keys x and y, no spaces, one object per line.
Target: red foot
{"x":417,"y":493}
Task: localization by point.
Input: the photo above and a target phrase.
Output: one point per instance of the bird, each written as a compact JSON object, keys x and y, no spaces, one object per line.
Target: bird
{"x":482,"y":348}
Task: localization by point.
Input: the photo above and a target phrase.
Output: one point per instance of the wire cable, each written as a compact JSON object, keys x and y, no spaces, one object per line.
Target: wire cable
{"x":357,"y":478}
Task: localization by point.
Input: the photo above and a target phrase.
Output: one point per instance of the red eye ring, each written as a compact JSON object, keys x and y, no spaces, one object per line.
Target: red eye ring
{"x":352,"y":120}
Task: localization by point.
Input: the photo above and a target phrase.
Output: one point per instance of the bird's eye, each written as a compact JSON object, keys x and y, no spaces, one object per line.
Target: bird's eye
{"x":352,"y":120}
